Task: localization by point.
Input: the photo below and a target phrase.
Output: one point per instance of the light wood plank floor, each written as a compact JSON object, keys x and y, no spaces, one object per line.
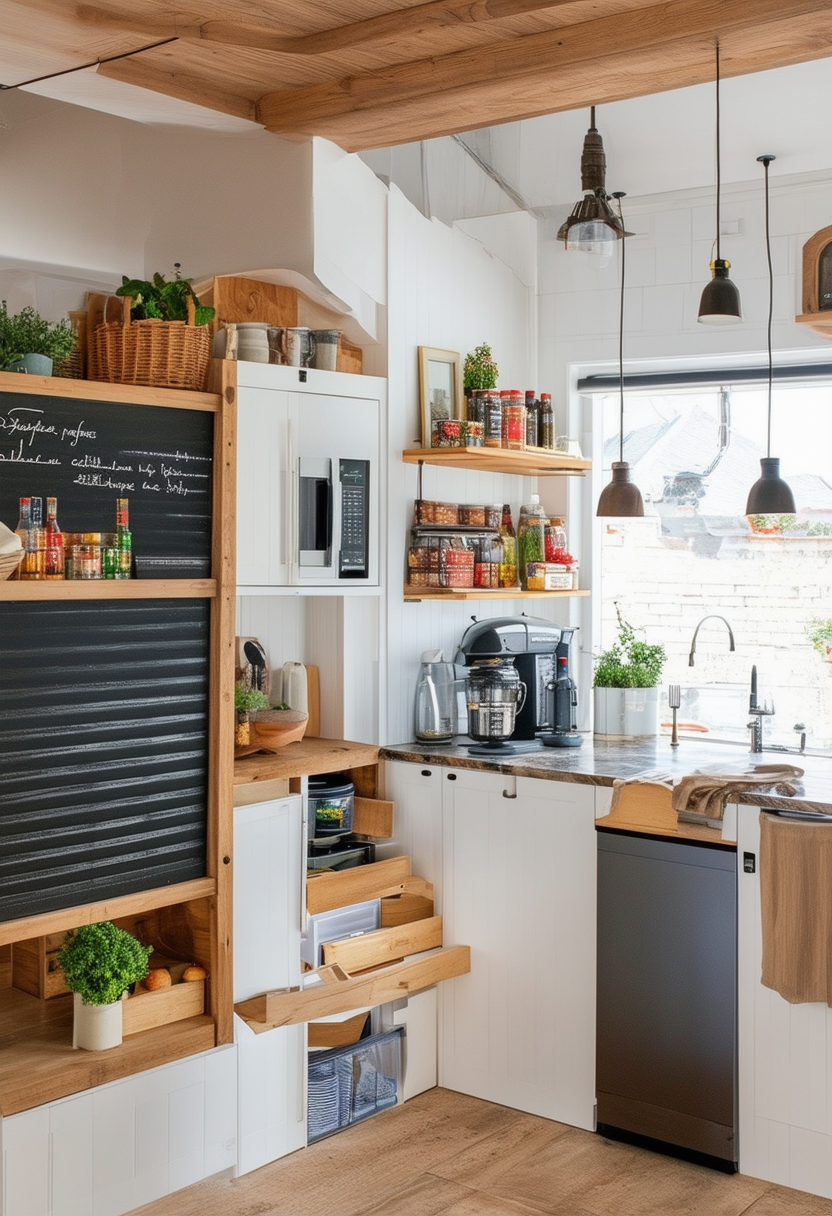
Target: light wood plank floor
{"x":445,"y":1154}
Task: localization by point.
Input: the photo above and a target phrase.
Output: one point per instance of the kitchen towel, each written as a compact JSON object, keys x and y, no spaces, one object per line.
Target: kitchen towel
{"x":796,"y":908}
{"x":701,"y":796}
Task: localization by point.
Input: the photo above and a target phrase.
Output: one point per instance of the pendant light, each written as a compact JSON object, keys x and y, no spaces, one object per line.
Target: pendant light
{"x":720,"y":300}
{"x":593,"y":226}
{"x":621,"y":497}
{"x":770,"y":495}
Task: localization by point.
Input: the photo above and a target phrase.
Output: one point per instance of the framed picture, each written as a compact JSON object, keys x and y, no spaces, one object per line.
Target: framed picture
{"x":440,"y":388}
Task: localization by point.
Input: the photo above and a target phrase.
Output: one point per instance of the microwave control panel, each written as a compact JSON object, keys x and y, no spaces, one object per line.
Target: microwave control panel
{"x":355,"y":518}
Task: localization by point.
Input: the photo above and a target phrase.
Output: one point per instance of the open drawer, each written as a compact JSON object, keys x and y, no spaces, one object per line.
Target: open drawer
{"x":404,"y":955}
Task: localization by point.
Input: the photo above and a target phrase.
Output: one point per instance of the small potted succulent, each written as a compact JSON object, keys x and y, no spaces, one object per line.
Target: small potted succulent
{"x":100,"y":962}
{"x":626,"y":681}
{"x":30,"y":343}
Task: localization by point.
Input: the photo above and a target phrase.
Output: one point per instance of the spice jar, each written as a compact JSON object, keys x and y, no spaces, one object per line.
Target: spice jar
{"x":86,"y":561}
{"x":514,"y":421}
{"x":493,"y":436}
{"x":530,"y":537}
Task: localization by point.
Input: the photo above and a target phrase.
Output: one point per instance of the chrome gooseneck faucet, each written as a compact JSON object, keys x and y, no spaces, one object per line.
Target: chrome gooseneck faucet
{"x":712,"y":616}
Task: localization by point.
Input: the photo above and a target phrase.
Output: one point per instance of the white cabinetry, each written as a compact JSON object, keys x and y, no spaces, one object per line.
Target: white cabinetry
{"x":269,"y":869}
{"x":518,"y":885}
{"x":321,"y":420}
{"x":785,"y":1055}
{"x":106,"y":1151}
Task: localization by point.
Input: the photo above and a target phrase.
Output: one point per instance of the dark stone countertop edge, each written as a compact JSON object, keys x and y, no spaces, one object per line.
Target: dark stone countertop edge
{"x":600,"y":762}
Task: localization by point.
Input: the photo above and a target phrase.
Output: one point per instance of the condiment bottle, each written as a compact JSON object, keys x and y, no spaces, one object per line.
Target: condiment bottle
{"x":530,"y":537}
{"x":547,"y":421}
{"x":31,"y":532}
{"x":532,"y":420}
{"x":54,"y":567}
{"x":508,"y":559}
{"x":493,"y":437}
{"x":514,"y":422}
{"x":124,"y":539}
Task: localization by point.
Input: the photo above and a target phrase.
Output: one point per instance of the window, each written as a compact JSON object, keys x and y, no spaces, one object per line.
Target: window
{"x":694,"y":452}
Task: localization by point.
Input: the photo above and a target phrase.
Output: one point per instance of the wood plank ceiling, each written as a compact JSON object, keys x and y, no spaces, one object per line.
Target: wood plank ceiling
{"x":373,"y":73}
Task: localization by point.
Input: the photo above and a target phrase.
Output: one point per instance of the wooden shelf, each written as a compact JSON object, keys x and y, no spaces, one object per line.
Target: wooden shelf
{"x":818,"y":322}
{"x":111,"y":909}
{"x":529,"y":462}
{"x":413,"y":595}
{"x":40,"y":1065}
{"x":108,"y":589}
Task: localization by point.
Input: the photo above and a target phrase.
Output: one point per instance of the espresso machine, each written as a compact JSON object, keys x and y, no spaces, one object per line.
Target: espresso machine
{"x":539,"y":652}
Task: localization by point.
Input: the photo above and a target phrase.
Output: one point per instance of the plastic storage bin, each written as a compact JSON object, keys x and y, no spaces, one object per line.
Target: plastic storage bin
{"x":337,"y":924}
{"x":351,"y":1083}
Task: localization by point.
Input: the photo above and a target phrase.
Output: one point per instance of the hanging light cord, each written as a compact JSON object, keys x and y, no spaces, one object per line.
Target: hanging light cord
{"x":766,"y":161}
{"x":718,"y":157}
{"x":618,"y":195}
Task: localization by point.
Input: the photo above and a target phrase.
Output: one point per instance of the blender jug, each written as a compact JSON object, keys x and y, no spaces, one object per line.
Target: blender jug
{"x":436,"y":709}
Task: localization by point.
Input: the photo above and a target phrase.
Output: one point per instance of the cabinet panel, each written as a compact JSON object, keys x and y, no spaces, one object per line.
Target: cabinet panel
{"x":271,"y":1101}
{"x":269,"y":868}
{"x":262,"y":487}
{"x":26,"y":1180}
{"x":785,"y":1056}
{"x":519,"y":886}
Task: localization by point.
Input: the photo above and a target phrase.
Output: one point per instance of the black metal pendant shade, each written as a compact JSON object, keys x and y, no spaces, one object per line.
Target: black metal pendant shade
{"x":720,"y":301}
{"x":592,"y":224}
{"x":770,"y":495}
{"x":621,"y":497}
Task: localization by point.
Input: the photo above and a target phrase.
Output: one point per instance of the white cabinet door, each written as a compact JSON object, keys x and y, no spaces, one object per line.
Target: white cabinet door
{"x":785,"y":1054}
{"x":519,"y":888}
{"x":269,"y":872}
{"x":107,"y":1151}
{"x":269,"y":869}
{"x":263,"y":488}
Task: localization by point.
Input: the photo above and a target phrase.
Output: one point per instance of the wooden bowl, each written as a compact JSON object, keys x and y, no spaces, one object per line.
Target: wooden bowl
{"x":277,"y":727}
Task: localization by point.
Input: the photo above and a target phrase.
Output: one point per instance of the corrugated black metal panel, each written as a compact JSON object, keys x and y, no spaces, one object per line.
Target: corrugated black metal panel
{"x":103,"y":749}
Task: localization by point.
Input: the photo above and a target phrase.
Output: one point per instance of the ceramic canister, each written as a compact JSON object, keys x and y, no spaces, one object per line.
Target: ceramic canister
{"x":253,"y":342}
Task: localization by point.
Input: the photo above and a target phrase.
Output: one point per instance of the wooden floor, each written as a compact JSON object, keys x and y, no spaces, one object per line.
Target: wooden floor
{"x":445,"y":1154}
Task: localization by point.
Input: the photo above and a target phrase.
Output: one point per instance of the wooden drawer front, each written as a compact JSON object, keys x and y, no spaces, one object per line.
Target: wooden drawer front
{"x":384,"y":946}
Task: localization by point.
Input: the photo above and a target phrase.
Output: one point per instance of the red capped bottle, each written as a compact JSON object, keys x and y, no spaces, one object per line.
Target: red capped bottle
{"x":54,"y":565}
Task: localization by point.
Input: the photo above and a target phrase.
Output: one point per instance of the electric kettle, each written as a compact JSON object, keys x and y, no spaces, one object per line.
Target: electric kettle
{"x":436,"y":688}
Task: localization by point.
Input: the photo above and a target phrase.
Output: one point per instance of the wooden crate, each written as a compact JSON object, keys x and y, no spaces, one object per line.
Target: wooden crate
{"x":237,"y":299}
{"x":143,"y":1010}
{"x":35,"y":966}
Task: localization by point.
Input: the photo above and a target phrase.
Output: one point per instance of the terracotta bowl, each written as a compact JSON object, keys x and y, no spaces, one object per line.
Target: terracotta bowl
{"x":277,"y":727}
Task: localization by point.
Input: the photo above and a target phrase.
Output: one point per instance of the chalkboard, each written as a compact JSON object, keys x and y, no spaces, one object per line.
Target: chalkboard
{"x":89,"y":453}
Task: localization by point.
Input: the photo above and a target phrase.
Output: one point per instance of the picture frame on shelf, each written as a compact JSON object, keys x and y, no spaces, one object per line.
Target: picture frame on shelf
{"x":440,"y":388}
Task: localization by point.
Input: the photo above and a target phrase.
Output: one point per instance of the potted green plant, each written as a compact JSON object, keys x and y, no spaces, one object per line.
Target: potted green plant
{"x":163,"y":299}
{"x":819,"y":632}
{"x":30,"y":343}
{"x":246,"y":702}
{"x":100,"y":962}
{"x":625,"y":684}
{"x":479,"y":369}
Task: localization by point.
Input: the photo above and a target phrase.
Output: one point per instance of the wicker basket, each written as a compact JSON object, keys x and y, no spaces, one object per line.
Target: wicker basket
{"x":164,"y":354}
{"x":9,"y":563}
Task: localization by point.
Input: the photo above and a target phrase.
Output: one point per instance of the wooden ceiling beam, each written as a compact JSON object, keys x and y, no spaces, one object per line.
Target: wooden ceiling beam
{"x":507,"y":81}
{"x":184,"y":86}
{"x":421,"y":20}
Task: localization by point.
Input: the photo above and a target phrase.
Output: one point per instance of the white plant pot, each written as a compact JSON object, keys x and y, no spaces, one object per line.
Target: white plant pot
{"x":626,"y":713}
{"x":96,"y":1027}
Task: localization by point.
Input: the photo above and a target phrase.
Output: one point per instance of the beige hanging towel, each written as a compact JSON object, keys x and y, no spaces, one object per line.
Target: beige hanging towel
{"x":796,"y":908}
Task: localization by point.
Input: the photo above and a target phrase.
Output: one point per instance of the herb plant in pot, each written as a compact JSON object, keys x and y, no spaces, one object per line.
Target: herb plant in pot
{"x":100,"y":962}
{"x":247,"y":701}
{"x":626,"y":694}
{"x":479,"y":369}
{"x":30,"y":343}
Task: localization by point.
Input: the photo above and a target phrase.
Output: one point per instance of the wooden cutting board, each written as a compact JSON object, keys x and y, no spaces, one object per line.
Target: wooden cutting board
{"x":313,"y":700}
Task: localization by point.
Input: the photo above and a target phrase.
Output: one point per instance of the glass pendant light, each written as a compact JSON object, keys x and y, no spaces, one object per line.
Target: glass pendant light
{"x":720,"y":300}
{"x":622,"y":496}
{"x":593,"y":226}
{"x":769,"y":495}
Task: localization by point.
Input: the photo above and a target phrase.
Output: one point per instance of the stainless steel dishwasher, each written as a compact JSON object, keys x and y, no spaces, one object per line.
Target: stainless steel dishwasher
{"x":667,"y":983}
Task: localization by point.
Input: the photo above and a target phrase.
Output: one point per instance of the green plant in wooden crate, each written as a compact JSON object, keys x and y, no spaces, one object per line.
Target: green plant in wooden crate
{"x":101,"y":961}
{"x":479,"y":369}
{"x":28,"y":333}
{"x":629,"y":663}
{"x":163,"y":299}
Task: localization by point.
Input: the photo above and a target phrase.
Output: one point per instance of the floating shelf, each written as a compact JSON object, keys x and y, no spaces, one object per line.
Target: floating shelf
{"x":412,"y":595}
{"x":819,"y":322}
{"x":108,"y":589}
{"x":529,"y":462}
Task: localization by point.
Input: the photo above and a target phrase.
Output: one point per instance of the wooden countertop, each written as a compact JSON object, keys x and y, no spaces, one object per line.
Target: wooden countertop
{"x":265,"y":775}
